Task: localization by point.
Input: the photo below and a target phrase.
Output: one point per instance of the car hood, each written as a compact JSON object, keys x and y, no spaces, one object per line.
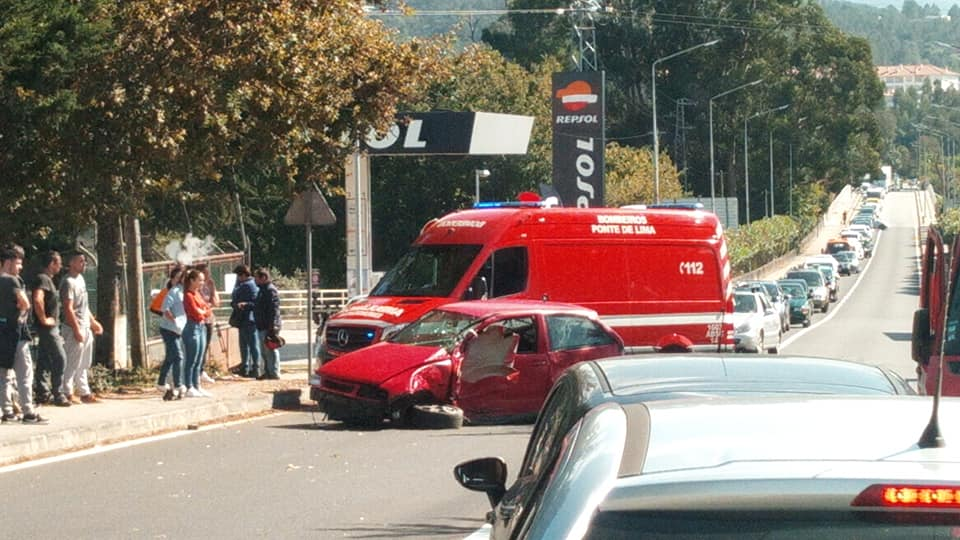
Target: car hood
{"x":380,"y":362}
{"x":798,"y":302}
{"x":388,"y":310}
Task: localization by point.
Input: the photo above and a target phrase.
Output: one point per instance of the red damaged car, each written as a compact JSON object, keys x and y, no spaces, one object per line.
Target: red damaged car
{"x":483,"y":361}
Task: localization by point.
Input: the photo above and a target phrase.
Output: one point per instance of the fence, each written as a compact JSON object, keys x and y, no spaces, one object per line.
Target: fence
{"x":293,"y":303}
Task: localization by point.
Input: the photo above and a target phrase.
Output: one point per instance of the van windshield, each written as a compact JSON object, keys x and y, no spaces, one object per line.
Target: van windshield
{"x":431,"y":270}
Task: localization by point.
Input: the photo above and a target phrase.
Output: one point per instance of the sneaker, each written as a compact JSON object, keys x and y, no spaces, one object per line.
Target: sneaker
{"x":193,"y":392}
{"x":34,"y":419}
{"x":181,"y":392}
{"x":9,"y":418}
{"x":61,"y":401}
{"x":206,"y":378}
{"x":163,"y":388}
{"x":90,"y":398}
{"x":168,"y":394}
{"x":204,"y":393}
{"x":74,"y":399}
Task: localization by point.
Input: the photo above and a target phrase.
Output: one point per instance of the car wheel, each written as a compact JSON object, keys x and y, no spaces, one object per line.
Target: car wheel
{"x":776,"y":349}
{"x":436,"y":417}
{"x":806,"y":322}
{"x":826,"y":306}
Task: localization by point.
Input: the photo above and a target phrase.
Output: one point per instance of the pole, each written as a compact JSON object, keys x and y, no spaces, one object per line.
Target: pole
{"x":309,"y":227}
{"x":656,"y":136}
{"x":476,"y":192}
{"x":746,"y":167}
{"x":772,"y":211}
{"x":791,"y":179}
{"x":653,"y":95}
{"x":713,"y":174}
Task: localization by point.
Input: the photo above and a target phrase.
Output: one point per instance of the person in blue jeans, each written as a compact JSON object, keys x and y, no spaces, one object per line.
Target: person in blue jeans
{"x":266,"y":314}
{"x":174,"y":318}
{"x":242,"y":300}
{"x":194,"y":332}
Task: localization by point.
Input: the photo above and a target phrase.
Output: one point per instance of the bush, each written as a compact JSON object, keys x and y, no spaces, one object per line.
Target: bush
{"x":103,"y":379}
{"x":753,"y":245}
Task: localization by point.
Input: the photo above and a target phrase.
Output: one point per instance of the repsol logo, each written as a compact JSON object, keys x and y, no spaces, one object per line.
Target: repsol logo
{"x":411,"y":140}
{"x":577,"y":119}
{"x":586,"y":169}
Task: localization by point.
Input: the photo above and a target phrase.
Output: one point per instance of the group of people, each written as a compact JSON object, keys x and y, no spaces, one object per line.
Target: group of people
{"x":255,"y":304}
{"x":65,"y":329}
{"x":187,"y":325}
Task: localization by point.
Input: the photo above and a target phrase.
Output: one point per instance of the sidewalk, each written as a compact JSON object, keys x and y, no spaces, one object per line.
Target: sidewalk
{"x":133,"y":415}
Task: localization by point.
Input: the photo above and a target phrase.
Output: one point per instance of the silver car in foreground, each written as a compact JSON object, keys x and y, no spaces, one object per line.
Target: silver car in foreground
{"x":606,"y":462}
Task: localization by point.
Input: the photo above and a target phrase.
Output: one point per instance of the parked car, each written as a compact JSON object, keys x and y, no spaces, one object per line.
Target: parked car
{"x":483,"y":361}
{"x":830,"y":276}
{"x":819,"y":294}
{"x":775,"y":296}
{"x":801,"y":308}
{"x":849,"y":263}
{"x":689,"y":447}
{"x":756,"y":323}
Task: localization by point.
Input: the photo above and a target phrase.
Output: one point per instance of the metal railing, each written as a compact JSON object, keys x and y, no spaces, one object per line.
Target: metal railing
{"x":293,"y":302}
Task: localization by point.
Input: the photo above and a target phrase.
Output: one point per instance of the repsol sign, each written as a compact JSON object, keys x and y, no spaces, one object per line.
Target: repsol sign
{"x":452,"y":133}
{"x":578,"y":125}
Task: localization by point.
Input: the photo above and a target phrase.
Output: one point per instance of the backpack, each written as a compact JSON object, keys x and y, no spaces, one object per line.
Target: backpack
{"x":156,"y":305}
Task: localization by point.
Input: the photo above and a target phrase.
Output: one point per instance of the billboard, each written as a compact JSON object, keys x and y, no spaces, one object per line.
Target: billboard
{"x":578,"y":141}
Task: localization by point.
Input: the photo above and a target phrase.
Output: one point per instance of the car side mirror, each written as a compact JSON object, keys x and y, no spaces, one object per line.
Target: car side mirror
{"x":809,"y":294}
{"x":488,"y":475}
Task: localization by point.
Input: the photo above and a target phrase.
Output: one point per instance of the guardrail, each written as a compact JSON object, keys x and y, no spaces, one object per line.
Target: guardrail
{"x":293,"y":302}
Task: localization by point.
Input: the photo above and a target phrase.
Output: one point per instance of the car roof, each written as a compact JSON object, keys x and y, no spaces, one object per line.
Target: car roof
{"x":647,"y":376}
{"x":483,"y":308}
{"x":793,"y":281}
{"x":795,"y":437}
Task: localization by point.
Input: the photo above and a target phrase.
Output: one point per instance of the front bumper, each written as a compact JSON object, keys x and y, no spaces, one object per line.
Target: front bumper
{"x":339,"y":407}
{"x":746,"y":343}
{"x":799,"y":316}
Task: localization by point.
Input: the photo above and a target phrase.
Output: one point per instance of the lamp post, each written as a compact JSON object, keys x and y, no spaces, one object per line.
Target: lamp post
{"x":477,"y":175}
{"x":746,"y":152}
{"x":656,"y":137}
{"x":713,"y":174}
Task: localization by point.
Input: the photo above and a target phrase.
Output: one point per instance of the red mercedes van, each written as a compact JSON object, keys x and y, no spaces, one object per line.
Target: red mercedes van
{"x":659,"y":276}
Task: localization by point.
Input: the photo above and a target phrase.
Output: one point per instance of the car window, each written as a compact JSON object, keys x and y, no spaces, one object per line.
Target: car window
{"x":744,"y":303}
{"x":570,"y":332}
{"x":506,"y":271}
{"x":558,"y":415}
{"x":526,"y":328}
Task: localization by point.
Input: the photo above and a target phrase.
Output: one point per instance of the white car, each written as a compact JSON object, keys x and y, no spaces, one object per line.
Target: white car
{"x":823,"y":258}
{"x":756,"y":323}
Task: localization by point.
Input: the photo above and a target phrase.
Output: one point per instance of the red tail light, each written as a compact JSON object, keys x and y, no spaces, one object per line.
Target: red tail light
{"x":909,"y":496}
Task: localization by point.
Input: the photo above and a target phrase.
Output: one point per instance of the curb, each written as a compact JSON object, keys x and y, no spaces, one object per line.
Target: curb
{"x":111,"y":431}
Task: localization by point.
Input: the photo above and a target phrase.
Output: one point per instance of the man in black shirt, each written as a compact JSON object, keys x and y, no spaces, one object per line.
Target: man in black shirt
{"x":15,"y":338}
{"x":48,"y":377}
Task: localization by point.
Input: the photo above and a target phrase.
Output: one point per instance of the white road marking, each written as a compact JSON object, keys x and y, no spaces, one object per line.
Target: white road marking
{"x":838,"y":305}
{"x":120,"y":445}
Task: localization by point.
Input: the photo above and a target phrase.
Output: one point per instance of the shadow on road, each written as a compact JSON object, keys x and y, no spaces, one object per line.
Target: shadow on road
{"x":407,"y":530}
{"x":898,"y":336}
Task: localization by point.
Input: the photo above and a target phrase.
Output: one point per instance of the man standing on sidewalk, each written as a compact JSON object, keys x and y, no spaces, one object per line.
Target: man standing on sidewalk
{"x":79,"y":328}
{"x":242,"y":300}
{"x":15,"y":338}
{"x":50,"y":354}
{"x":266,"y":313}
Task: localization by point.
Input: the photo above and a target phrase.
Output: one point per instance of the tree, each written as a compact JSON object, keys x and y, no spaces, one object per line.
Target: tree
{"x":629,"y":178}
{"x":189,"y":91}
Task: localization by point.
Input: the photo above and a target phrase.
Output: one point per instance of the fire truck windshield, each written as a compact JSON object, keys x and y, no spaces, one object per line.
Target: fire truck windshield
{"x":951,"y":345}
{"x":429,"y":270}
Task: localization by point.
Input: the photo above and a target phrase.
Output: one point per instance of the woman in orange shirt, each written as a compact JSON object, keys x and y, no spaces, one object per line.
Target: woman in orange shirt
{"x":194,"y":333}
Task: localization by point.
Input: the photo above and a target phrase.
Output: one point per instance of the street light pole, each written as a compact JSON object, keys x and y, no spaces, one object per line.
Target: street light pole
{"x":477,"y":175}
{"x":772,"y":211}
{"x":653,"y":93}
{"x":713,"y":174}
{"x":746,"y":152}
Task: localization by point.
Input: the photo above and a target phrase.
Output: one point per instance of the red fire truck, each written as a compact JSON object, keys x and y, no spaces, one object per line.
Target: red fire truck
{"x":660,"y":277}
{"x":936,"y":324}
